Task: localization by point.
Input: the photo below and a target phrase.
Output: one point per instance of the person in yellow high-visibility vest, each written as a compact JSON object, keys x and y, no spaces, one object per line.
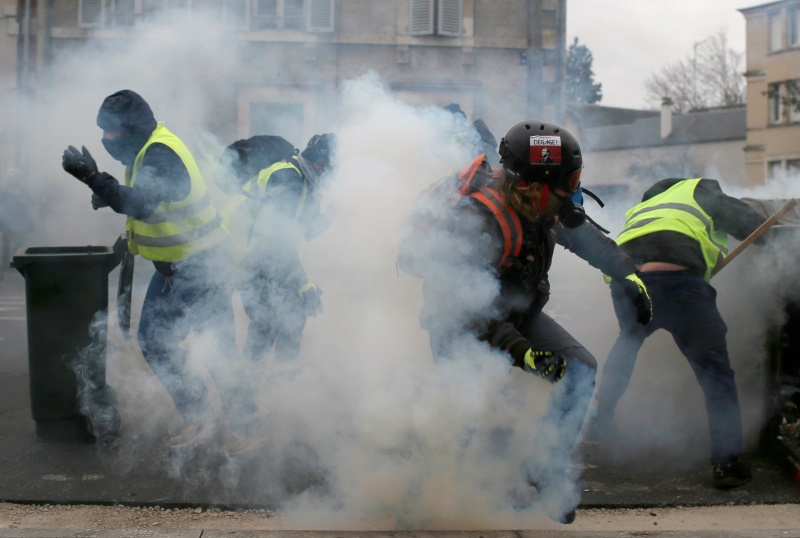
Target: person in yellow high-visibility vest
{"x":276,"y":209}
{"x":676,"y":236}
{"x":172,"y":222}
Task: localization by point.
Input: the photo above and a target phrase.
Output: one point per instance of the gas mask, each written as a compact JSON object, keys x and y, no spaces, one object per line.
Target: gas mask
{"x":571,"y":213}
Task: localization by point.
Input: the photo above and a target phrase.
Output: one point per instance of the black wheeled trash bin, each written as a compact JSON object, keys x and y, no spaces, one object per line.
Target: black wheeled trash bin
{"x":65,"y":287}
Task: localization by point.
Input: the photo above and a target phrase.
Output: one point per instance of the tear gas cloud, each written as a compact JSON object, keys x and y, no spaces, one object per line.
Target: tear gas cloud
{"x":364,"y":422}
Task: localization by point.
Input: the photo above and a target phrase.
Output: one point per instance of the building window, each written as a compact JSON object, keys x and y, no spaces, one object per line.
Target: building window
{"x":794,"y":27}
{"x":278,"y":14}
{"x":791,"y":100}
{"x":311,"y":15}
{"x":784,"y":102}
{"x":775,"y":31}
{"x":308,"y":15}
{"x":793,"y":168}
{"x":783,"y":169}
{"x":774,"y":170}
{"x":775,"y":103}
{"x":436,"y":17}
{"x":152,"y":8}
{"x":123,"y":13}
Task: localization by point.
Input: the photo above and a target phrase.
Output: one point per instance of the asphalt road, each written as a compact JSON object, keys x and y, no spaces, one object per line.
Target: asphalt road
{"x":34,"y":471}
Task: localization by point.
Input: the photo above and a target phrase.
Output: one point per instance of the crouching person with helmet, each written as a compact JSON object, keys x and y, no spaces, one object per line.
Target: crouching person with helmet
{"x":172,"y":222}
{"x":507,"y":225}
{"x":276,"y":209}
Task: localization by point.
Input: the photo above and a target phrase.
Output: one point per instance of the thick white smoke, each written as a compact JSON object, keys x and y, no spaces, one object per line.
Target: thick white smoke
{"x":366,"y":424}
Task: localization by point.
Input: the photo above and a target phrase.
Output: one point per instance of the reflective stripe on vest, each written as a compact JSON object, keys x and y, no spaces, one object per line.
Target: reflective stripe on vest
{"x":508,"y":220}
{"x":506,"y":216}
{"x":240,"y":212}
{"x":175,"y":230}
{"x":676,"y":210}
{"x":265,"y":175}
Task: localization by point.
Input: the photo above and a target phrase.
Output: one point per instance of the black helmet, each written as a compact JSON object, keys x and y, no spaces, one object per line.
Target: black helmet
{"x":542,"y":152}
{"x":320,"y":149}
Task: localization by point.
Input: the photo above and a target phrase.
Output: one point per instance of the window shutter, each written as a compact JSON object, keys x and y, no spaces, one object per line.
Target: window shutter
{"x":90,"y":13}
{"x":450,"y":17}
{"x":320,"y":15}
{"x":420,"y":20}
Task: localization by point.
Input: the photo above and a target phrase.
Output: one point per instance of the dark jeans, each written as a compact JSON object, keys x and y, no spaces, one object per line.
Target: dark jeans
{"x":277,"y":318}
{"x":684,"y":305}
{"x":198,"y":298}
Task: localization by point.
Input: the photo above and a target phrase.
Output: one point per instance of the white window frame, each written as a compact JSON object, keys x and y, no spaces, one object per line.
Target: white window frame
{"x":278,"y":17}
{"x":83,"y":5}
{"x":436,"y":17}
{"x":794,"y":27}
{"x":775,"y":31}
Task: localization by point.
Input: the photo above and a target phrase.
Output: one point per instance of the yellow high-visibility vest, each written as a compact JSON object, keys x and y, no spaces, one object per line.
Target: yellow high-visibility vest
{"x":676,"y":210}
{"x":240,"y":212}
{"x":174,"y":231}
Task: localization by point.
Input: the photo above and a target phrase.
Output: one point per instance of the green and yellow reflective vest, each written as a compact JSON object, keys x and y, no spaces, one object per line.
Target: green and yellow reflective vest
{"x":239,"y":214}
{"x":174,"y":231}
{"x":675,"y":210}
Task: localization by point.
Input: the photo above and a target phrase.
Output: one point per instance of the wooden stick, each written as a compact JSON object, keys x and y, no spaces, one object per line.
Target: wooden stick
{"x":767,"y":224}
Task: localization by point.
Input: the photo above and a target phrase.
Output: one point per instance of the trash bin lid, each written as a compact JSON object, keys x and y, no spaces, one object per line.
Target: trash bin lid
{"x":88,"y":253}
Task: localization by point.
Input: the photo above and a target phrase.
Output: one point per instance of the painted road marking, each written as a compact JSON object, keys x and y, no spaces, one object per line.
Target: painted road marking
{"x":13,"y":305}
{"x":65,"y":478}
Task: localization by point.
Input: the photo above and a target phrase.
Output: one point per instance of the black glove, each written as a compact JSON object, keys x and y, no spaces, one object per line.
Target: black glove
{"x":97,"y":202}
{"x":312,"y":299}
{"x":636,"y":291}
{"x":79,"y":164}
{"x":546,"y":364}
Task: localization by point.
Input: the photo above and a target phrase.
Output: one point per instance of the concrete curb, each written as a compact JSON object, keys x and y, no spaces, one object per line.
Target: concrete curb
{"x":185,"y":533}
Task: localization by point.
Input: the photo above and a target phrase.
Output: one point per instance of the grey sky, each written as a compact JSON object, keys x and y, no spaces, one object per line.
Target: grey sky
{"x":632,"y":39}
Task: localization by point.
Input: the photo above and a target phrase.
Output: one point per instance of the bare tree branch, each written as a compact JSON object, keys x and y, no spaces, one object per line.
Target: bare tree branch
{"x":711,"y":78}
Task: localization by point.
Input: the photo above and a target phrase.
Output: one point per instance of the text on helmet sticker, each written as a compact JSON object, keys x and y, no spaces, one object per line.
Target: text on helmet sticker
{"x":545,"y":149}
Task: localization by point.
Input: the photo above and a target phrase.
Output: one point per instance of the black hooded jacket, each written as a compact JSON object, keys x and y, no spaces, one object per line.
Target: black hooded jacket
{"x":162,"y":177}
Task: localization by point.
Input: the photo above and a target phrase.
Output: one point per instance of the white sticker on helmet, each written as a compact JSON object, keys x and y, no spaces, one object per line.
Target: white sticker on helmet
{"x":545,"y":149}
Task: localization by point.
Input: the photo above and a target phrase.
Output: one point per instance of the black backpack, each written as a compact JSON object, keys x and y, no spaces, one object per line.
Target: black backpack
{"x":247,"y":157}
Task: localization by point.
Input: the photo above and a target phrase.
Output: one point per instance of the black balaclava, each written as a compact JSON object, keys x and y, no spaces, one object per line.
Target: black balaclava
{"x":127,"y":112}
